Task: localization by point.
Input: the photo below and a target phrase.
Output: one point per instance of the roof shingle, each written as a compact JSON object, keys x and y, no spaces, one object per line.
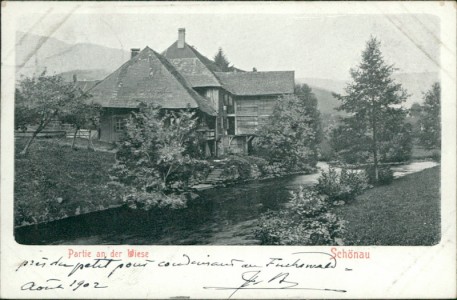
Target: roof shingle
{"x":196,"y":68}
{"x":148,"y":78}
{"x":257,"y":83}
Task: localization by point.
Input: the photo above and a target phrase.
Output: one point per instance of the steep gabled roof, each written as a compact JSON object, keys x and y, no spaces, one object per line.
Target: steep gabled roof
{"x":257,"y":83}
{"x":149,"y":78}
{"x":196,"y":68}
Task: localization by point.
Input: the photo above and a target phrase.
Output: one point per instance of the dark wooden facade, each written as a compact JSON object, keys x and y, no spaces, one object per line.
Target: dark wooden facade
{"x":112,"y":123}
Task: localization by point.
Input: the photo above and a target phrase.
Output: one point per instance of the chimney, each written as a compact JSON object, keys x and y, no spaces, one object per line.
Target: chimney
{"x":181,"y":37}
{"x":134,"y":52}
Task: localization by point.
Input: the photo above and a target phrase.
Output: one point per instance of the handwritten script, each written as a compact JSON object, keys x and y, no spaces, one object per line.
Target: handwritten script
{"x":291,"y":272}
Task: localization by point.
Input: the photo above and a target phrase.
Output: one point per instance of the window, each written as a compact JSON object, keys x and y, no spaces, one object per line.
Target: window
{"x":230,"y":107}
{"x":119,"y":124}
{"x":231,"y":126}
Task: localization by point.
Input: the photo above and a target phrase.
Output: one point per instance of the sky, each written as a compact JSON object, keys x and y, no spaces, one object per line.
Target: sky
{"x":318,"y":46}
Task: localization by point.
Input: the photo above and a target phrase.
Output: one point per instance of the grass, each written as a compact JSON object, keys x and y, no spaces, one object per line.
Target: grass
{"x":405,"y":212}
{"x":81,"y":143}
{"x":53,"y":181}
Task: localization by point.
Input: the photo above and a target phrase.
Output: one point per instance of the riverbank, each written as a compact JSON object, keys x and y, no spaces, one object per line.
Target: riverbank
{"x":229,"y":216}
{"x":253,"y":169}
{"x":418,"y":154}
{"x":53,"y":182}
{"x":405,"y":212}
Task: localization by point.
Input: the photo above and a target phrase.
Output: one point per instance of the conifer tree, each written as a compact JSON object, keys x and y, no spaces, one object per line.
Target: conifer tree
{"x":221,"y":60}
{"x":373,"y":100}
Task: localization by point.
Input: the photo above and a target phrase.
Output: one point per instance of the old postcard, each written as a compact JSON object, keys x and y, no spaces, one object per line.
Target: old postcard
{"x":228,"y":150}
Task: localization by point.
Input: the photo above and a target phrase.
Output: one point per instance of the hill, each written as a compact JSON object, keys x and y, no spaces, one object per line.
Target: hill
{"x":85,"y":75}
{"x":415,"y":84}
{"x":326,"y":102}
{"x":35,"y":53}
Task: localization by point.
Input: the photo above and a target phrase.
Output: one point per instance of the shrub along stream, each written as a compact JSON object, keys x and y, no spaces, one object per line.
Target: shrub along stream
{"x":338,"y":211}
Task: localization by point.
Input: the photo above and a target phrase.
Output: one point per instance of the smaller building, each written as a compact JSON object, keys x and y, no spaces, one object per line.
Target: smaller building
{"x":147,"y":78}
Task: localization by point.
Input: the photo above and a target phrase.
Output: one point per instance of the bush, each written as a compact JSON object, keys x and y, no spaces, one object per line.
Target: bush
{"x":385,"y":175}
{"x":271,"y":227}
{"x":305,"y":222}
{"x":400,"y":147}
{"x":191,"y":173}
{"x":275,"y":169}
{"x":326,"y":152}
{"x":150,"y":200}
{"x":242,"y":165}
{"x":344,"y":185}
{"x":436,"y":155}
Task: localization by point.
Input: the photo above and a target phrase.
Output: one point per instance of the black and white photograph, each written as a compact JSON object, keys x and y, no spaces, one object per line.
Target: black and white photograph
{"x":233,"y":134}
{"x":159,"y":127}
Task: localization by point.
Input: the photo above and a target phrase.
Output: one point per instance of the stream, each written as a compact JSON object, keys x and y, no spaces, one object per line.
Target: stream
{"x":220,"y":216}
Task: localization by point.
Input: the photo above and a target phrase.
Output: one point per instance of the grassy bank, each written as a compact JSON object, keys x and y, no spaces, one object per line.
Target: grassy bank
{"x":53,"y":181}
{"x":406,"y":212}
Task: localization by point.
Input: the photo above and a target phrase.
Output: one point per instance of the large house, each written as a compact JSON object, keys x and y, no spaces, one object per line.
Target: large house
{"x":230,"y":105}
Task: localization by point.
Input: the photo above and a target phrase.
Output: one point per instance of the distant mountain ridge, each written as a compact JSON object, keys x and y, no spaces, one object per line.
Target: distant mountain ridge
{"x":415,"y":83}
{"x":35,"y":53}
{"x":85,"y":75}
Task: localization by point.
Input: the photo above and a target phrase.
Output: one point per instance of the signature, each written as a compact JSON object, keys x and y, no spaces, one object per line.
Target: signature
{"x":256,"y":280}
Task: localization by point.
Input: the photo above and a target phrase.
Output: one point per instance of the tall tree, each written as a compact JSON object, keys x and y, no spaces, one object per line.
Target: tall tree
{"x":430,"y":120}
{"x":40,"y":99}
{"x":373,"y":100}
{"x":291,"y":135}
{"x":221,"y":60}
{"x":309,"y":101}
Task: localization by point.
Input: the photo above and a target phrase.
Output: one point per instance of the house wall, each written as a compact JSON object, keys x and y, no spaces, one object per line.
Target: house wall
{"x":218,"y":98}
{"x":110,"y":121}
{"x":213,"y":95}
{"x":238,"y":117}
{"x":251,"y":112}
